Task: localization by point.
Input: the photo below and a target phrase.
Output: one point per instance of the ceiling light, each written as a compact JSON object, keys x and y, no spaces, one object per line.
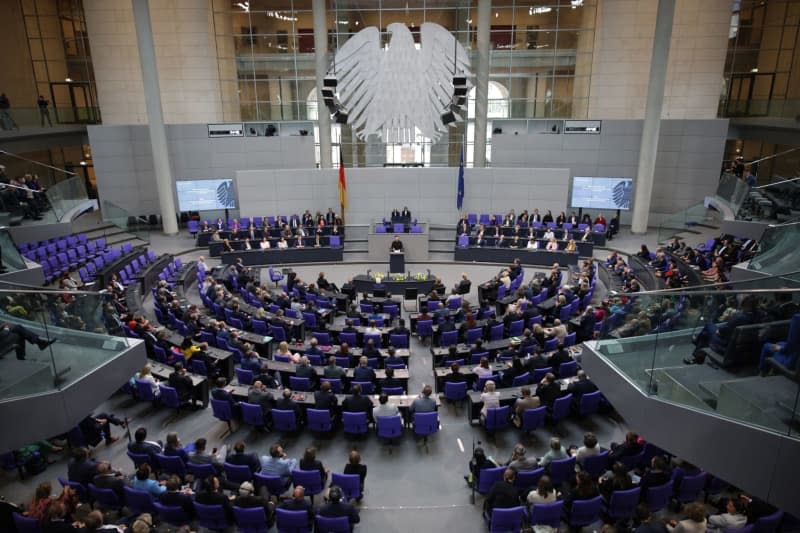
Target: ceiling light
{"x":245,"y":6}
{"x":576,"y":3}
{"x":541,"y":10}
{"x":496,"y":14}
{"x":754,"y":70}
{"x":83,"y":163}
{"x":469,"y":21}
{"x":356,"y":23}
{"x":68,"y":80}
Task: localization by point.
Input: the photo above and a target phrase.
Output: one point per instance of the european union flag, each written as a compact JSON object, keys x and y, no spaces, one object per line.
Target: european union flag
{"x":460,"y":191}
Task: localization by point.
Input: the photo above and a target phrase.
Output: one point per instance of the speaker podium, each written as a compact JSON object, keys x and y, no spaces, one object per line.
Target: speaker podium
{"x":397,"y":263}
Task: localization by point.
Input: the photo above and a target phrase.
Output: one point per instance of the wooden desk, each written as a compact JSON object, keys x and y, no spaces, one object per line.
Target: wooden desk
{"x":355,"y":351}
{"x":289,"y":369}
{"x":200,"y":383}
{"x":440,"y":372}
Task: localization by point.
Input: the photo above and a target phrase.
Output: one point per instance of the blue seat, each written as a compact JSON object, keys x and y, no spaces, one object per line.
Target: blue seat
{"x":398,"y":340}
{"x":769,"y":523}
{"x":144,"y":391}
{"x":355,"y":423}
{"x":392,"y":391}
{"x":277,"y":333}
{"x":488,"y":477}
{"x":26,"y":525}
{"x":104,"y":498}
{"x":528,"y":479}
{"x":561,"y":408}
{"x":496,"y":418}
{"x":79,"y":489}
{"x":349,"y":337}
{"x":139,"y":459}
{"x":139,"y":501}
{"x":339,"y":524}
{"x":596,"y":465}
{"x":221,"y":410}
{"x":237,"y":473}
{"x":284,"y":420}
{"x":300,"y":384}
{"x":455,"y":392}
{"x":561,"y":470}
{"x":311,"y":480}
{"x":533,"y":419}
{"x":251,"y":519}
{"x":211,"y":516}
{"x":252,"y":414}
{"x":658,"y":497}
{"x":319,"y":420}
{"x":585,"y":512}
{"x":589,"y":403}
{"x":515,"y":328}
{"x":172,"y":514}
{"x":292,"y":521}
{"x":275,"y":276}
{"x":425,"y":328}
{"x":448,"y":338}
{"x":244,"y":376}
{"x":349,"y":483}
{"x":522,"y":379}
{"x":201,"y":471}
{"x":171,"y":465}
{"x":481,"y":383}
{"x":568,"y":369}
{"x":550,"y":345}
{"x":274,"y":484}
{"x":473,"y":335}
{"x":622,"y":503}
{"x":336,"y":385}
{"x":367,"y":387}
{"x":389,"y":427}
{"x":426,"y":423}
{"x":505,"y":520}
{"x":547,"y":514}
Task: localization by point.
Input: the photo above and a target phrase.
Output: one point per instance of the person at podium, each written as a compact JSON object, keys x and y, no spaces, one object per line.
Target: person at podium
{"x":397,"y":245}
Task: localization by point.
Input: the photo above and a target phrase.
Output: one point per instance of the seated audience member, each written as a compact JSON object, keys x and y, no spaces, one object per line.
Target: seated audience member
{"x":555,"y":452}
{"x":695,"y":521}
{"x":325,"y":399}
{"x":310,"y":462}
{"x":490,"y":398}
{"x":543,"y":493}
{"x":106,"y":478}
{"x":628,"y":448}
{"x":526,"y":401}
{"x":503,"y":494}
{"x":354,"y":467}
{"x":239,"y":457}
{"x":548,"y":390}
{"x":582,"y":386}
{"x":520,"y":461}
{"x":248,"y":498}
{"x":333,"y":371}
{"x":584,"y":489}
{"x":391,"y":382}
{"x":211,"y":494}
{"x":589,"y":448}
{"x":277,"y":463}
{"x":286,"y":403}
{"x":298,"y":502}
{"x":478,"y":462}
{"x":356,"y":403}
{"x":199,"y":455}
{"x":784,"y":352}
{"x":336,"y":507}
{"x":384,"y":408}
{"x":363,"y":372}
{"x":732,"y":519}
{"x":143,"y":482}
{"x":219,"y":392}
{"x":617,"y":479}
{"x":143,"y":446}
{"x":717,"y":336}
{"x":423,"y":403}
{"x":655,"y":475}
{"x":483,"y":369}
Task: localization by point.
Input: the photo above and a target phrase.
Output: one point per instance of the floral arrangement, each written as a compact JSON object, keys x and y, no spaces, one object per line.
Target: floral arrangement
{"x":421,"y":276}
{"x":398,"y":277}
{"x":377,"y":276}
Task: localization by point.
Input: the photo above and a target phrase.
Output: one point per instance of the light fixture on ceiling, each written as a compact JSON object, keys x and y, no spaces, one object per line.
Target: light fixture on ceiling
{"x":754,"y":69}
{"x":245,"y":6}
{"x":280,"y":16}
{"x":68,"y":80}
{"x":356,"y":23}
{"x":469,"y":21}
{"x":576,"y":3}
{"x":540,"y":10}
{"x":83,"y":163}
{"x":496,"y":14}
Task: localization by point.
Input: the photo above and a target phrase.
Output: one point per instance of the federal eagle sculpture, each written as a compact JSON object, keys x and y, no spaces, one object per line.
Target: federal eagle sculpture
{"x":390,"y":91}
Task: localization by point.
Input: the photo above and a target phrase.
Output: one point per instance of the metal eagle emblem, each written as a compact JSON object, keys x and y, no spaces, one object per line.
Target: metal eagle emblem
{"x":389,"y":91}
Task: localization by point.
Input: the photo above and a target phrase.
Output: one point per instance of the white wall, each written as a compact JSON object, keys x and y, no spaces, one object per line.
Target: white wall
{"x":430,"y":193}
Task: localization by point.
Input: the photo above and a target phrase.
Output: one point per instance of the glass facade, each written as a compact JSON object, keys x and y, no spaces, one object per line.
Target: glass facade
{"x":540,"y":63}
{"x":762,"y":74}
{"x":62,"y":61}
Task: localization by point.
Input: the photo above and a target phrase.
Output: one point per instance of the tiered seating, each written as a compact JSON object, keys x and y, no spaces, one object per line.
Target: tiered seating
{"x":70,"y":253}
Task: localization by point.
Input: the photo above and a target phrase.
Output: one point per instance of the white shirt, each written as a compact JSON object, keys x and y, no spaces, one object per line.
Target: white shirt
{"x":264,"y":245}
{"x":533,"y":245}
{"x":549,"y":235}
{"x":283,"y":244}
{"x":552,"y":245}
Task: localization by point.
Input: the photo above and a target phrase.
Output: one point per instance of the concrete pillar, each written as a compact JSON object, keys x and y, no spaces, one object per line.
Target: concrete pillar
{"x":482,"y":83}
{"x":652,"y":116}
{"x":321,"y":62}
{"x":155,"y":117}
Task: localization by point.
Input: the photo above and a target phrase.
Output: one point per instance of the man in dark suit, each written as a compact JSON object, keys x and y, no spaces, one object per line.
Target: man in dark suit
{"x":239,"y":457}
{"x":548,"y":390}
{"x":582,"y":386}
{"x":391,"y":382}
{"x":406,"y":214}
{"x":286,"y":403}
{"x":221,"y":394}
{"x":336,"y":507}
{"x":81,"y":469}
{"x":248,"y":499}
{"x":325,"y":399}
{"x":143,"y":446}
{"x":503,"y":494}
{"x":182,"y":384}
{"x":585,"y":329}
{"x":175,"y":497}
{"x":298,"y":502}
{"x":259,"y":395}
{"x":445,"y":326}
{"x":463,"y":286}
{"x":108,"y":479}
{"x":560,"y":356}
{"x":305,"y":370}
{"x":356,"y":403}
{"x":400,"y":329}
{"x":363,"y":372}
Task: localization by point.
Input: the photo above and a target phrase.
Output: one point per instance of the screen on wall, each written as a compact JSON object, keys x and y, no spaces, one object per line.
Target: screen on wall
{"x":602,"y":193}
{"x":206,"y":195}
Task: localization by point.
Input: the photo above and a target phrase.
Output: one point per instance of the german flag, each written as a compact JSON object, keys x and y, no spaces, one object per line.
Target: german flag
{"x":342,"y":184}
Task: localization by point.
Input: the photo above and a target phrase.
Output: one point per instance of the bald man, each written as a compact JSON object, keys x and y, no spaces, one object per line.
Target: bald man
{"x":298,"y":502}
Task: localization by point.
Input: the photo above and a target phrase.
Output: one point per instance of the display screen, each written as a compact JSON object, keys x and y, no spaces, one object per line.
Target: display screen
{"x":206,"y":195}
{"x":602,"y":193}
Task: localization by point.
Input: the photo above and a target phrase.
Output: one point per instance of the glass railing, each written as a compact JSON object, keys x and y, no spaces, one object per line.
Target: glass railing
{"x":67,"y":195}
{"x":31,"y":117}
{"x":52,"y":338}
{"x":732,"y":190}
{"x":12,"y":260}
{"x":778,"y":253}
{"x":650,"y":337}
{"x":696,"y":215}
{"x":126,"y":221}
{"x":786,"y":108}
